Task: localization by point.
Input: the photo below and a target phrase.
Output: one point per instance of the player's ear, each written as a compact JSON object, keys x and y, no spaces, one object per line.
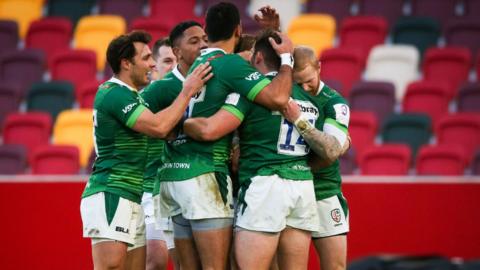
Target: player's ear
{"x":125,"y":64}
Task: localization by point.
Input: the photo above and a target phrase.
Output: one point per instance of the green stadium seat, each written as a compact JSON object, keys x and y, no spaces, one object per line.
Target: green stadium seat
{"x":421,"y":32}
{"x":52,"y":97}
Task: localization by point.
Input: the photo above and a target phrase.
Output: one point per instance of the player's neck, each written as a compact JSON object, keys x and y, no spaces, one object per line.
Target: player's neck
{"x":183,"y":68}
{"x":227,"y":45}
{"x":126,"y":79}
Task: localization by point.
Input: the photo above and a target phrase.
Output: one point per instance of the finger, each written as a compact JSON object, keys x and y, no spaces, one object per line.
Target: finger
{"x":205,"y":72}
{"x":208,"y":77}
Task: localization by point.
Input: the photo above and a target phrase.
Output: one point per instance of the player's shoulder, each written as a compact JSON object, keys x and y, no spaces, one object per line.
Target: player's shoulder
{"x":332,"y":95}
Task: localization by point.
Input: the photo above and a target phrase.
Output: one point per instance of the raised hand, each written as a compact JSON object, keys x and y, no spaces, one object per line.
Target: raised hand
{"x":199,"y":76}
{"x":268,"y":18}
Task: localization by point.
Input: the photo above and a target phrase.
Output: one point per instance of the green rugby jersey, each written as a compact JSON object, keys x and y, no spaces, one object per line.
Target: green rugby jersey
{"x":187,"y":158}
{"x":157,"y":96}
{"x":334,"y":107}
{"x":121,"y":151}
{"x":269,"y":144}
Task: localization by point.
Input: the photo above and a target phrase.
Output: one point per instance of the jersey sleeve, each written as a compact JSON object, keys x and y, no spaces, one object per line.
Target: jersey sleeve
{"x":337,"y":118}
{"x":124,"y":106}
{"x":237,"y":105}
{"x":243,"y":78}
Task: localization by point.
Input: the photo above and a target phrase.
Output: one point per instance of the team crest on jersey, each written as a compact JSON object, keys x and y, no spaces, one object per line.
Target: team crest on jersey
{"x":336,"y":215}
{"x":253,"y":76}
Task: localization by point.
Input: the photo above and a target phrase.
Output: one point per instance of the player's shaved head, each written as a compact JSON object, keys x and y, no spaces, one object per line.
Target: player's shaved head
{"x":177,"y":32}
{"x":304,"y":56}
{"x":221,"y":21}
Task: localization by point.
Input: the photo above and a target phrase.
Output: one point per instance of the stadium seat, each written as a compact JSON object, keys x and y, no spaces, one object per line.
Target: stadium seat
{"x":376,"y":97}
{"x":128,"y":9}
{"x":8,"y":35}
{"x":95,"y":33}
{"x":468,"y":99}
{"x":442,"y":11}
{"x":476,"y":163}
{"x":50,"y":35}
{"x":460,"y":128}
{"x":387,"y":159}
{"x":342,"y":64}
{"x":363,"y":129}
{"x":86,"y":94}
{"x":363,"y":32}
{"x":55,"y":159}
{"x":464,"y":32}
{"x":75,"y":127}
{"x":339,"y":9}
{"x":451,"y":64}
{"x":471,"y":8}
{"x":173,"y":12}
{"x":393,"y":63}
{"x":28,"y":129}
{"x":429,"y":97}
{"x":411,"y":129}
{"x":10,"y":98}
{"x":23,"y":67}
{"x":440,"y":160}
{"x":314,"y":30}
{"x":348,"y":164}
{"x":154,"y":26}
{"x":72,"y":9}
{"x":391,"y":9}
{"x":83,"y":62}
{"x":21,"y":11}
{"x":421,"y":32}
{"x":51,"y":97}
{"x":13,"y":159}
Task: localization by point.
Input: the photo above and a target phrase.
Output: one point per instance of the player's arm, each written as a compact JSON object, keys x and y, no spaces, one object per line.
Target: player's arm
{"x":268,"y":18}
{"x":160,"y":124}
{"x":328,"y":144}
{"x":275,"y":95}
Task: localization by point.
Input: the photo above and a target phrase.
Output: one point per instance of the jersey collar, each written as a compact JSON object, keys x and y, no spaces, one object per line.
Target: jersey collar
{"x":320,"y":87}
{"x":176,"y":72}
{"x":118,"y":81}
{"x":209,"y":50}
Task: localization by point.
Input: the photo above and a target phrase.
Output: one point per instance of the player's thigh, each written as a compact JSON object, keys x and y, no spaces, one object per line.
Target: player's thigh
{"x":293,"y":248}
{"x":332,"y":251}
{"x":136,"y":259}
{"x":254,"y":250}
{"x":109,"y":254}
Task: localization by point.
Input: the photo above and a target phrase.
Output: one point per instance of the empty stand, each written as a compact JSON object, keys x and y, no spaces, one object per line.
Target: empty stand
{"x":363,"y":32}
{"x":51,"y":97}
{"x":339,"y":9}
{"x":23,"y":67}
{"x":451,"y":65}
{"x":8,"y":35}
{"x":75,"y":127}
{"x":72,"y":9}
{"x":429,"y":97}
{"x":460,"y":128}
{"x":156,"y":27}
{"x":83,"y":62}
{"x":440,"y":160}
{"x":421,"y":32}
{"x":50,"y":35}
{"x":95,"y":33}
{"x":464,"y":32}
{"x":10,"y":98}
{"x":28,"y":129}
{"x":21,"y":11}
{"x":393,"y":63}
{"x":376,"y":97}
{"x":363,"y":129}
{"x":468,"y":99}
{"x":314,"y":30}
{"x":13,"y":159}
{"x":391,"y":9}
{"x":173,"y":12}
{"x":86,"y":94}
{"x":442,"y":11}
{"x":387,"y":159}
{"x":411,"y":129}
{"x":342,"y":64}
{"x":128,"y":9}
{"x":55,"y":159}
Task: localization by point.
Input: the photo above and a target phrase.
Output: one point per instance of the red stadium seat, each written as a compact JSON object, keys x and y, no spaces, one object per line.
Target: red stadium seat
{"x":451,"y":64}
{"x":363,"y":128}
{"x":429,"y":97}
{"x":363,"y":32}
{"x":387,"y":159}
{"x":86,"y":94}
{"x":173,"y":12}
{"x":156,"y":27}
{"x":440,"y":160}
{"x":55,"y":159}
{"x":13,"y":159}
{"x":76,"y":66}
{"x":30,"y":129}
{"x":461,"y":129}
{"x":23,"y":67}
{"x":50,"y":35}
{"x":376,"y":97}
{"x":342,"y":64}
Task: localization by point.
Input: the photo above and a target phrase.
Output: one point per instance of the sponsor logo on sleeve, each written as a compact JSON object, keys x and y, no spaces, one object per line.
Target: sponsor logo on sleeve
{"x":233,"y":99}
{"x":342,"y":114}
{"x":253,"y":76}
{"x":129,"y":107}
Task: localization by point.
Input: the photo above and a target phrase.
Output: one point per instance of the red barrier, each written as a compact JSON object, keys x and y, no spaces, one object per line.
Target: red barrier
{"x":41,"y":226}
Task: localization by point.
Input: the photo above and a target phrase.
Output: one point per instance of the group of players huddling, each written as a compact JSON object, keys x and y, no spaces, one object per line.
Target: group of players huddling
{"x":162,"y":174}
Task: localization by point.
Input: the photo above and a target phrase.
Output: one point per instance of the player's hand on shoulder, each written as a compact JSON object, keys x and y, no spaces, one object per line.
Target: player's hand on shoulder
{"x":197,"y":79}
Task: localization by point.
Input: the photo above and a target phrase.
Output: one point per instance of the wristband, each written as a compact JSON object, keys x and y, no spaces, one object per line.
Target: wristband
{"x":286,"y":59}
{"x":303,"y":125}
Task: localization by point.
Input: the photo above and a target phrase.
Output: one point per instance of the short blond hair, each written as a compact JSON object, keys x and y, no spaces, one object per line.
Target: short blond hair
{"x":304,"y":56}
